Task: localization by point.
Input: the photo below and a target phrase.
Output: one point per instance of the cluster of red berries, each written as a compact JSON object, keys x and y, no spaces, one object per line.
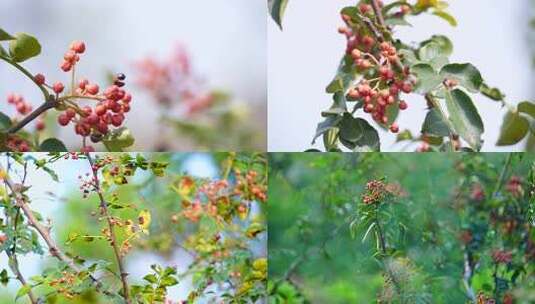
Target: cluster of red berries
{"x":502,"y":256}
{"x":477,"y":193}
{"x":385,"y":78}
{"x":514,"y":186}
{"x":173,"y":81}
{"x":375,"y":192}
{"x":249,"y":186}
{"x":94,"y":122}
{"x":17,"y":144}
{"x":21,"y":105}
{"x":88,"y":183}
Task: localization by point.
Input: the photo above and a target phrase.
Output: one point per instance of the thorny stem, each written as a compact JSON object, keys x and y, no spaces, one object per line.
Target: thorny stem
{"x":111,"y":227}
{"x":44,"y":232}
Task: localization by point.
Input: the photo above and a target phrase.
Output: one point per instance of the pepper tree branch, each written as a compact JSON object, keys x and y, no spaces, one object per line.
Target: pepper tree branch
{"x":378,"y":13}
{"x":14,"y":265}
{"x":111,"y":227}
{"x":44,"y":232}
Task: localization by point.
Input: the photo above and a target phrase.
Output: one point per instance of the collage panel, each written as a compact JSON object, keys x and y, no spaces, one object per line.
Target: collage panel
{"x":171,"y":228}
{"x":401,"y":228}
{"x":109,"y":77}
{"x":400,"y":76}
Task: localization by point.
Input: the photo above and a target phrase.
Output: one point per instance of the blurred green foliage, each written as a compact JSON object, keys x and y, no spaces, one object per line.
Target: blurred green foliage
{"x":318,"y":255}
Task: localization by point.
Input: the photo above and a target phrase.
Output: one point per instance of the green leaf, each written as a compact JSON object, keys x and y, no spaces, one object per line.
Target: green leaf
{"x":118,"y":139}
{"x":24,"y":290}
{"x":350,"y":128}
{"x":404,"y":135}
{"x":3,"y":52}
{"x":492,"y":93}
{"x":24,"y":47}
{"x":444,"y":43}
{"x":465,"y":118}
{"x":393,"y":21}
{"x":4,"y":36}
{"x":329,"y":123}
{"x":446,"y":16}
{"x":527,"y":108}
{"x":150,"y":278}
{"x":277,"y":9}
{"x":514,"y":128}
{"x":4,"y":278}
{"x":168,"y":281}
{"x":5,"y":121}
{"x":339,"y":105}
{"x":370,"y":138}
{"x":467,"y":75}
{"x":435,"y":125}
{"x":427,"y":79}
{"x":52,"y":145}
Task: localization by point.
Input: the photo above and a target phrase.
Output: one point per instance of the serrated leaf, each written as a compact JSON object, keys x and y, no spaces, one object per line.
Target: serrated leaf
{"x":24,"y":47}
{"x":514,"y":128}
{"x":370,"y":138}
{"x":329,"y":123}
{"x":434,"y":124}
{"x":52,"y":145}
{"x":465,"y":118}
{"x":350,"y":128}
{"x":426,"y":78}
{"x":118,"y":140}
{"x":468,"y":75}
{"x":277,"y":9}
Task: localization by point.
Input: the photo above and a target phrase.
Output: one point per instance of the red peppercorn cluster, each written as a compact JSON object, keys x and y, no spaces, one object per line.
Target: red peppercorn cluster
{"x":514,"y":186}
{"x":17,"y":144}
{"x":384,"y":77}
{"x":502,"y":256}
{"x":21,"y":105}
{"x":173,"y":81}
{"x":375,"y":192}
{"x":250,"y":186}
{"x":88,"y":184}
{"x":110,"y":105}
{"x":477,"y":193}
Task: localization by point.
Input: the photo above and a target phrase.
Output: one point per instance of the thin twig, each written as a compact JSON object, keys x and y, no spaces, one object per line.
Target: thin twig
{"x":111,"y":227}
{"x":14,"y":265}
{"x":47,"y":105}
{"x":503,"y":174}
{"x":378,"y":13}
{"x":44,"y":232}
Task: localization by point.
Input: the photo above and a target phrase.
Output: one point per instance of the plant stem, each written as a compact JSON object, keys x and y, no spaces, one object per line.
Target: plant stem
{"x":436,"y":105}
{"x":14,"y":265}
{"x":49,"y":104}
{"x":378,"y":13}
{"x":45,"y":233}
{"x":46,"y":94}
{"x":111,"y":227}
{"x":503,"y":174}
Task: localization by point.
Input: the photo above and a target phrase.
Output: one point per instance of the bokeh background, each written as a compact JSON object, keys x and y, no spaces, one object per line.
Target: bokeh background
{"x":492,"y":34}
{"x":62,"y":203}
{"x":226,"y":40}
{"x":313,"y":198}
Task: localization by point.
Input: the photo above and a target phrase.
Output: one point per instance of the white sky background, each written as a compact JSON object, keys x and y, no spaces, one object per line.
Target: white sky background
{"x":138,"y":264}
{"x":226,"y":38}
{"x":302,"y":60}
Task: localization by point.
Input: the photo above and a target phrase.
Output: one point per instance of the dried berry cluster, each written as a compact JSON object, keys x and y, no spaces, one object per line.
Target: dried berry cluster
{"x":502,"y":256}
{"x":375,"y":192}
{"x":384,"y":78}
